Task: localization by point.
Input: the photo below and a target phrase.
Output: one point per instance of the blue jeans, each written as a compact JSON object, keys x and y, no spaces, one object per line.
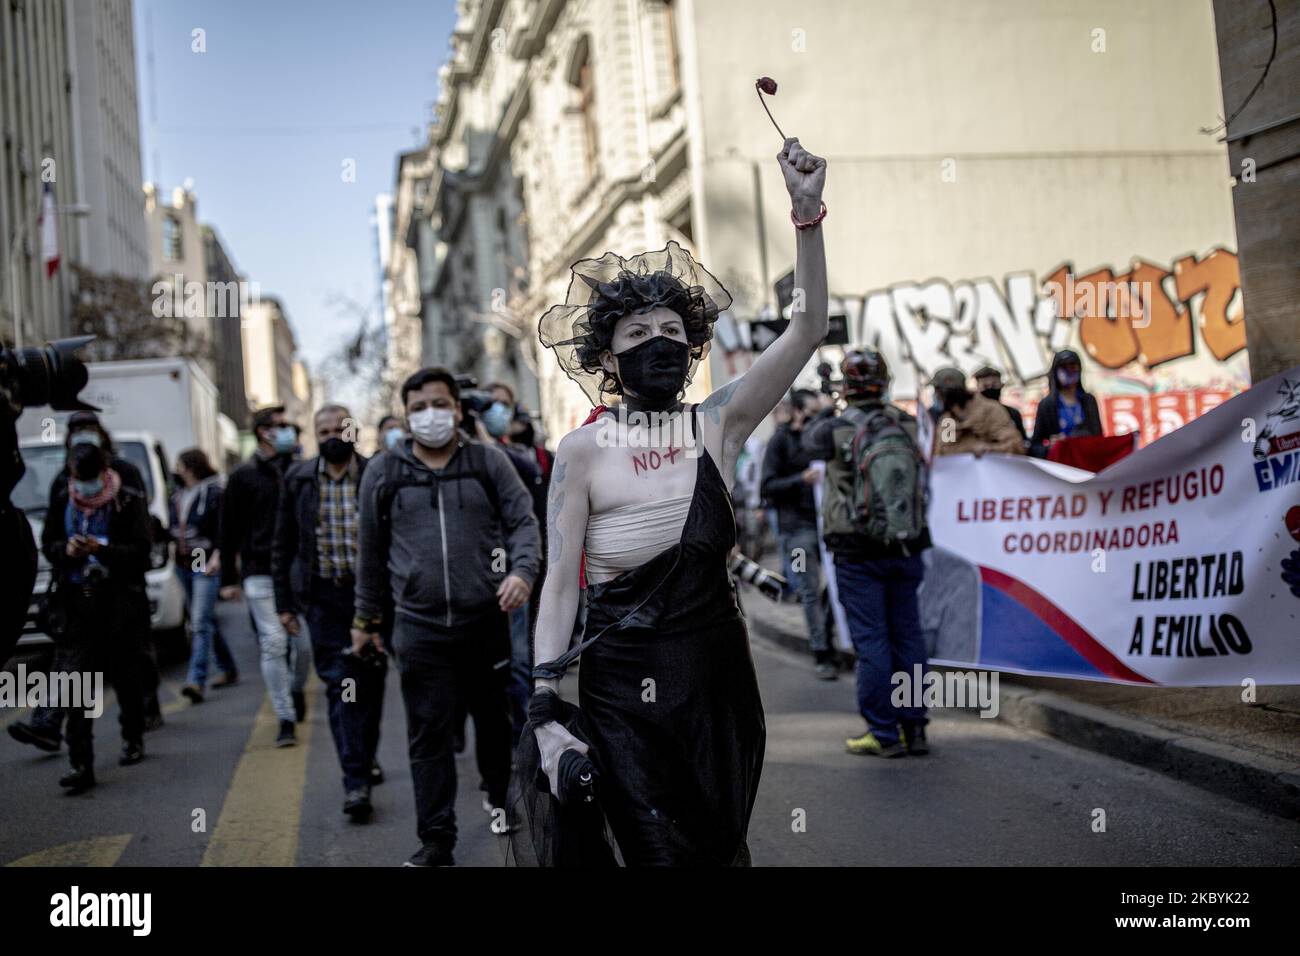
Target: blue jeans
{"x":808,"y":584}
{"x":884,"y":619}
{"x":201,"y":598}
{"x":519,"y":687}
{"x":286,"y":658}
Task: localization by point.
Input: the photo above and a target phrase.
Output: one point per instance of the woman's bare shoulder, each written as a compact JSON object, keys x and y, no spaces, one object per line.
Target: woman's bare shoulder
{"x":579,"y":446}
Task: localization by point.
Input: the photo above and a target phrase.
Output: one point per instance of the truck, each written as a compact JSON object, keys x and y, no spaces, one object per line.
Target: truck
{"x":154,"y":409}
{"x":170,"y":398}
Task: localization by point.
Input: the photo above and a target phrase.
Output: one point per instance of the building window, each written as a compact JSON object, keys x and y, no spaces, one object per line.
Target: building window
{"x":580,"y":76}
{"x":171,"y":238}
{"x":670,"y":28}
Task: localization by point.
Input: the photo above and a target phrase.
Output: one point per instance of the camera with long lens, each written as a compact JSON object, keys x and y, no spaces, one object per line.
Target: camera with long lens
{"x":770,"y":584}
{"x":48,"y":375}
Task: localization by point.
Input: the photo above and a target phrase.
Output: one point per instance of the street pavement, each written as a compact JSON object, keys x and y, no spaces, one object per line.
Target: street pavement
{"x":213,"y":790}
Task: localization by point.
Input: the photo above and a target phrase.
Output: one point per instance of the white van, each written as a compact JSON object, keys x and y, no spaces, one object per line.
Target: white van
{"x":44,"y":461}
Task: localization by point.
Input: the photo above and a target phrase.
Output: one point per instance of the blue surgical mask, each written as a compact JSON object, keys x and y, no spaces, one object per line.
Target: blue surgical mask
{"x":393,"y":437}
{"x":85,"y":437}
{"x":88,"y":489}
{"x":497,"y":419}
{"x":284,"y":440}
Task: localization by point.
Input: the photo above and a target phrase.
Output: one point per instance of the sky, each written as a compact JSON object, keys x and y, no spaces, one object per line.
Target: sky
{"x":263,"y":121}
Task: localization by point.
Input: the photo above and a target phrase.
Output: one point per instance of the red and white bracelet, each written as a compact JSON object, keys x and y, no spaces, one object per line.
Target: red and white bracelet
{"x":811,"y":222}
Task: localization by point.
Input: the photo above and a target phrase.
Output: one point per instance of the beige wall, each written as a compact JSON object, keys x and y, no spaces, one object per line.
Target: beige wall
{"x":1057,"y":154}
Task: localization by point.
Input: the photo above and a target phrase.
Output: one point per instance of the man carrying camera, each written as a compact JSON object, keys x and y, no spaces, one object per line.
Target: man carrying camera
{"x":97,"y":544}
{"x":45,"y":730}
{"x":313,"y":567}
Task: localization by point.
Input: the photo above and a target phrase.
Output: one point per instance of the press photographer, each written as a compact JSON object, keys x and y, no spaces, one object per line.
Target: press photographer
{"x":31,"y":377}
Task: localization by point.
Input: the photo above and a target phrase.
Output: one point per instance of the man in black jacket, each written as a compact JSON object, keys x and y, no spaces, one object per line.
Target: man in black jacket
{"x":788,"y":481}
{"x":249,"y":507}
{"x":313,"y":566}
{"x":98,"y":547}
{"x":988,"y":381}
{"x":448,"y":530}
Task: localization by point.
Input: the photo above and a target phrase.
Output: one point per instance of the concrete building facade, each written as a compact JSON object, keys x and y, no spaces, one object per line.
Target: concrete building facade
{"x":273,"y":374}
{"x":189,"y":263}
{"x":106,"y":119}
{"x":36,"y":123}
{"x":1006,"y":178}
{"x":1258,"y":47}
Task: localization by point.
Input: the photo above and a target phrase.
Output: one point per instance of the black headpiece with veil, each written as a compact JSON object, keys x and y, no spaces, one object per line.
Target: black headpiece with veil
{"x":602,"y":291}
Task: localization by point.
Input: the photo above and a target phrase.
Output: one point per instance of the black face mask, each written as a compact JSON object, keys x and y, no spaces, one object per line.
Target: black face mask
{"x":336,"y":451}
{"x":993,"y":393}
{"x":952,"y":397}
{"x":655,"y":371}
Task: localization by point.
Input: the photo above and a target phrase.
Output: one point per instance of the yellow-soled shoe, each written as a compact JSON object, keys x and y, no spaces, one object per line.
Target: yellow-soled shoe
{"x":868,"y":746}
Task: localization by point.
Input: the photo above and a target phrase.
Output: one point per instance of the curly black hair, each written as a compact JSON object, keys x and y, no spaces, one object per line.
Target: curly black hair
{"x":631,"y":294}
{"x":602,"y":291}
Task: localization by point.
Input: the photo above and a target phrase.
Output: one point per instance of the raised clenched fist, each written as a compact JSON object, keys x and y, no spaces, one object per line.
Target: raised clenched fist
{"x":805,"y":178}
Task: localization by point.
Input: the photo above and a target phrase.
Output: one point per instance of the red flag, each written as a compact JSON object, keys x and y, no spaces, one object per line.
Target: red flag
{"x":49,"y":232}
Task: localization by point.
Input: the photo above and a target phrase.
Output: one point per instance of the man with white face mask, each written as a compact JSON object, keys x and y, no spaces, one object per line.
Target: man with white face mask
{"x":447,"y":530}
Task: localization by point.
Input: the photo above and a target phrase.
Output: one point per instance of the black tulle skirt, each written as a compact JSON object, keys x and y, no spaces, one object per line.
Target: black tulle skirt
{"x":669,"y":705}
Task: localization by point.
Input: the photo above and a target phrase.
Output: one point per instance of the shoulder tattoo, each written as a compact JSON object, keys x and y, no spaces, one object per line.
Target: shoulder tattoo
{"x":714,"y":402}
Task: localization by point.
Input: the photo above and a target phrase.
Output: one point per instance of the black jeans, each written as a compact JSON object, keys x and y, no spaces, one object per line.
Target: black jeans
{"x":355,"y":708}
{"x":443,"y":669}
{"x":135,"y":621}
{"x":101,"y":637}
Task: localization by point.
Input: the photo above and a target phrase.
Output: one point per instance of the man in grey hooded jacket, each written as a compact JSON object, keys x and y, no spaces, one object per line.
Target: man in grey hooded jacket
{"x":448,"y":546}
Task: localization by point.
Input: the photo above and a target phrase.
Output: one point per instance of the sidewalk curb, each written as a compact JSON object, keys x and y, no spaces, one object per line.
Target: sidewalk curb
{"x":1252,"y":778}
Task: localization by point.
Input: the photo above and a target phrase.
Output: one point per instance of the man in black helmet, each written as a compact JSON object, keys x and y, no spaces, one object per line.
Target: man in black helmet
{"x":874,"y":524}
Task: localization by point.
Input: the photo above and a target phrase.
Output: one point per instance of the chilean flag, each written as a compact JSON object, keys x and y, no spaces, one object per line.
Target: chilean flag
{"x":49,"y":232}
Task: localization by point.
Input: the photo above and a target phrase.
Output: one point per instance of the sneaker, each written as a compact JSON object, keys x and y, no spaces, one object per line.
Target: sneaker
{"x":132,"y":752}
{"x":431,"y":854}
{"x":194,"y":692}
{"x":226,"y":680}
{"x":153,"y":722}
{"x":287,"y":737}
{"x":78,"y":780}
{"x":357,"y":805}
{"x":376,"y":773}
{"x":914,"y":739}
{"x":868,"y":745}
{"x":299,"y":706}
{"x":826,"y":671}
{"x":27,"y":734}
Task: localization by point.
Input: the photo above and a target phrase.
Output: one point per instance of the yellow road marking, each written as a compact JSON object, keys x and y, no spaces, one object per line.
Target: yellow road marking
{"x":259,"y":820}
{"x":97,"y":851}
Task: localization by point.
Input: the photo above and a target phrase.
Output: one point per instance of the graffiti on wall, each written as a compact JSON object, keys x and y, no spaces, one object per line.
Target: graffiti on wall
{"x":1150,"y":315}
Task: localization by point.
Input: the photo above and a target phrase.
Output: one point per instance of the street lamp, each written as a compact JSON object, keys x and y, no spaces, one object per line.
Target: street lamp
{"x":16,"y":241}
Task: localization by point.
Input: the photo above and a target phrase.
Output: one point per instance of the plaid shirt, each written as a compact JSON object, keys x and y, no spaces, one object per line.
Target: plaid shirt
{"x":336,"y":523}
